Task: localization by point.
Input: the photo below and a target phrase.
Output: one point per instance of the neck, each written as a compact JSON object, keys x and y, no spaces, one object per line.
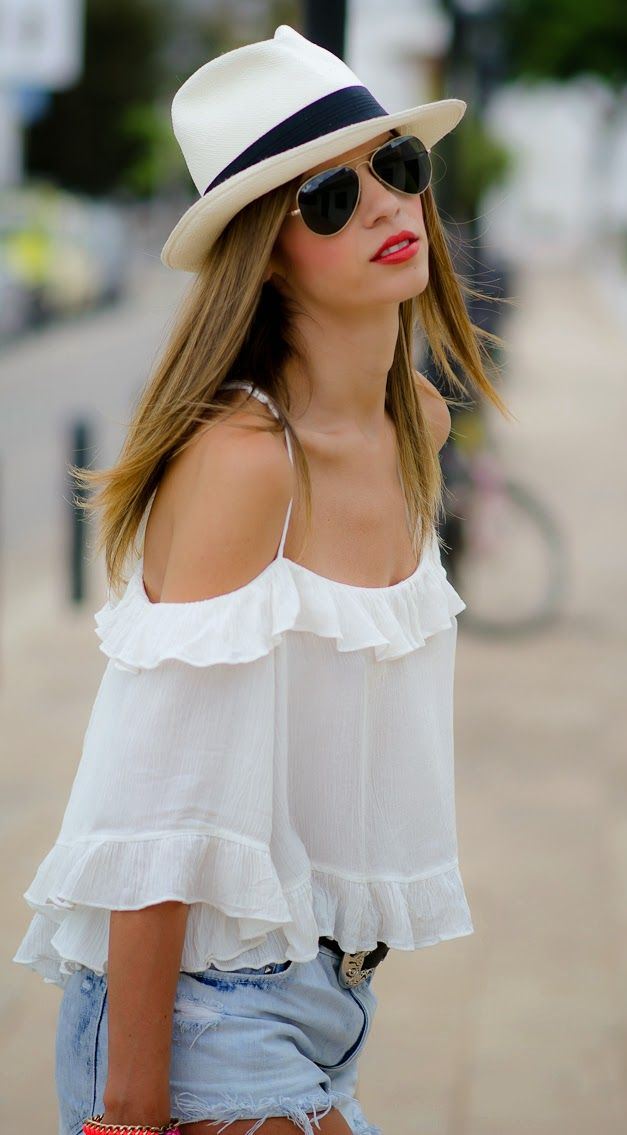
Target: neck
{"x":340,"y":385}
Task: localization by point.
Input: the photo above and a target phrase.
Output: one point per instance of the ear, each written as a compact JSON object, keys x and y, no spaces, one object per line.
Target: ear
{"x":274,"y":272}
{"x":276,"y":265}
{"x":270,"y":270}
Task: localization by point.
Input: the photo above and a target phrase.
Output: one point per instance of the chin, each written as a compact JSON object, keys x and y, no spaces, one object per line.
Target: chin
{"x":413,"y":286}
{"x":418,"y":288}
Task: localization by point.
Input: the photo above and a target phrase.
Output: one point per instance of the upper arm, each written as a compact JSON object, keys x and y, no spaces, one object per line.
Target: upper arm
{"x":229,"y":513}
{"x":434,"y":408}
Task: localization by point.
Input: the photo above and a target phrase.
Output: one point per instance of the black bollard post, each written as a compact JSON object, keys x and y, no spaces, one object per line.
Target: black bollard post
{"x":81,"y":447}
{"x":325,"y":24}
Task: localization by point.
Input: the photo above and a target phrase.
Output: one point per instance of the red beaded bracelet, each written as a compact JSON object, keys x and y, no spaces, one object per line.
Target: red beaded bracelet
{"x":94,"y":1126}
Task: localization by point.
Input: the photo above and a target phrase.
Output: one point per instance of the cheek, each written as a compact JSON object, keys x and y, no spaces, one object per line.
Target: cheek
{"x":320,"y":264}
{"x":320,"y":254}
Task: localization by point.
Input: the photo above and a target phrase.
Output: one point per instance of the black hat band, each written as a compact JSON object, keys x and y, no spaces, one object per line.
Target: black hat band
{"x":346,"y":107}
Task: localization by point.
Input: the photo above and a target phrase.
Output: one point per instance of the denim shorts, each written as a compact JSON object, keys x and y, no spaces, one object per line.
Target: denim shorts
{"x":283,"y":1040}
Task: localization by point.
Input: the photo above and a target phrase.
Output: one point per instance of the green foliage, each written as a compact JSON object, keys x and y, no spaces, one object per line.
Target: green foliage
{"x":284,"y":12}
{"x":83,"y":142}
{"x":148,"y":129}
{"x":465,"y":163}
{"x":562,"y":38}
{"x":482,"y":161}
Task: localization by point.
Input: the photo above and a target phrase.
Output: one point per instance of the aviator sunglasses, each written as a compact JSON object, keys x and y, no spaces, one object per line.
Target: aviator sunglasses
{"x":328,"y":200}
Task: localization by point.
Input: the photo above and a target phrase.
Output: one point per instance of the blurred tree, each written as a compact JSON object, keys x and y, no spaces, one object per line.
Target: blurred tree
{"x":559,"y":38}
{"x":469,"y":160}
{"x":198,"y":37}
{"x":96,"y":135}
{"x":157,"y":166}
{"x":285,"y":12}
{"x":465,"y":164}
{"x":202,"y":34}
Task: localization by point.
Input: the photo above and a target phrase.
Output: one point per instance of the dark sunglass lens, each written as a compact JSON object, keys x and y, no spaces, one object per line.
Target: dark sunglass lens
{"x":404,"y":164}
{"x":327,"y":201}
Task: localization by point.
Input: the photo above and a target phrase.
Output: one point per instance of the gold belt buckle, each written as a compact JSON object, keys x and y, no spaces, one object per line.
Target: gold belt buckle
{"x":351,"y":968}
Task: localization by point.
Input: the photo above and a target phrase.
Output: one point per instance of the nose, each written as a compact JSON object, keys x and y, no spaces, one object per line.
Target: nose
{"x":377,"y":200}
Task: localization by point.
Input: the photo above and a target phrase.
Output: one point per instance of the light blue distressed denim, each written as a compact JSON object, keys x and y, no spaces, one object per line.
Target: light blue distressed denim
{"x":246,"y":1044}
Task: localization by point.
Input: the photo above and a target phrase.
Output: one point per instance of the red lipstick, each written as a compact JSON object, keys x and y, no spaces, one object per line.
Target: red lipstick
{"x":409,"y":249}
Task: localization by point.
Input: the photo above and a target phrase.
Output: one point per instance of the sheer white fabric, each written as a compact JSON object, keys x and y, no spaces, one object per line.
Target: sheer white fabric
{"x":280,"y":758}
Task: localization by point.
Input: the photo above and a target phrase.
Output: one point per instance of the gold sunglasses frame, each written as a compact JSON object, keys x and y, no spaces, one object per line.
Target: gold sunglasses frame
{"x":366,"y":161}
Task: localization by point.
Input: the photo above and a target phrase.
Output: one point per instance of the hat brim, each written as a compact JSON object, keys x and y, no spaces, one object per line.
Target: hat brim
{"x":198,"y":228}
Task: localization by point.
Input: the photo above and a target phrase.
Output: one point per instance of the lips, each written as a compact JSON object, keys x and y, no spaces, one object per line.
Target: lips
{"x":396,"y":239}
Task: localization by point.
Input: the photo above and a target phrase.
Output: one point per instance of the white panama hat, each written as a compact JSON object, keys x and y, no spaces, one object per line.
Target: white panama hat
{"x":255,"y":117}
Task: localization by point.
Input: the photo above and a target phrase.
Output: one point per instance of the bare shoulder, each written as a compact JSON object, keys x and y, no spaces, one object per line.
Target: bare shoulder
{"x":229,"y":498}
{"x":434,"y":407}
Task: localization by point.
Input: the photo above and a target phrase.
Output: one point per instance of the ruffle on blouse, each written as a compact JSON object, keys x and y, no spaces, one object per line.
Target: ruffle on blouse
{"x":247,"y":623}
{"x":231,"y":885}
{"x":407,"y":915}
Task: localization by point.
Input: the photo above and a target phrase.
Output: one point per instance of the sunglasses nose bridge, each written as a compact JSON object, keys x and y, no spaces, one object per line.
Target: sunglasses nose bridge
{"x":378,"y":179}
{"x":355,"y":168}
{"x":368,"y":162}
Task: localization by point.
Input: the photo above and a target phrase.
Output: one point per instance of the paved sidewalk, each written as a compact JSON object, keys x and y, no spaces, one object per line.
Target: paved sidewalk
{"x":519,"y":1029}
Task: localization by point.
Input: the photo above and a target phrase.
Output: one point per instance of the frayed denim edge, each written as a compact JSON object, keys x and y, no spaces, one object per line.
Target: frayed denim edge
{"x":350,"y":1109}
{"x":191,"y":1108}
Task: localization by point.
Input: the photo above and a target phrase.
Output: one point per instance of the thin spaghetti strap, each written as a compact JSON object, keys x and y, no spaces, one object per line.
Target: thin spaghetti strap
{"x":263,"y":397}
{"x":288,"y":442}
{"x":279,"y":554}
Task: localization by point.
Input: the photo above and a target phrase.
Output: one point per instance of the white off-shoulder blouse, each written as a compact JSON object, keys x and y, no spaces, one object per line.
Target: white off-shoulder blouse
{"x":280,"y":758}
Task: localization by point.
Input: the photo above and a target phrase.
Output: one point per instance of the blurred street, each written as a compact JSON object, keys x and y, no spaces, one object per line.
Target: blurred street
{"x":518,"y":1029}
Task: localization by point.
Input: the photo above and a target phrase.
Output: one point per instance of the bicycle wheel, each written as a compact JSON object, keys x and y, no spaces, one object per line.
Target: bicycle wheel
{"x":507,"y":559}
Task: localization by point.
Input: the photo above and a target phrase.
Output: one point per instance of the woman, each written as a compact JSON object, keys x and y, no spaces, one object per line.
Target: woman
{"x":265,"y":800}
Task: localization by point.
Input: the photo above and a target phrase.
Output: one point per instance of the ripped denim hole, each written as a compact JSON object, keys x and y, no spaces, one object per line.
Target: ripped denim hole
{"x":194,"y":1017}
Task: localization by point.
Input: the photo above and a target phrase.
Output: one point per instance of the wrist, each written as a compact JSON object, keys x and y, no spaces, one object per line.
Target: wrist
{"x":150,"y":1111}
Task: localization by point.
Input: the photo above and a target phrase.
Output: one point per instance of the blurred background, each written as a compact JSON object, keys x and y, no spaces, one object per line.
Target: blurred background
{"x":521,"y":1028}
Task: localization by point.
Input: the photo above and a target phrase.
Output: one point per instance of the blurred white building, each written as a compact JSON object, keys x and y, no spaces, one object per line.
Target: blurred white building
{"x":41,"y":50}
{"x":564,"y":200}
{"x":566,"y":185}
{"x":396,"y":49}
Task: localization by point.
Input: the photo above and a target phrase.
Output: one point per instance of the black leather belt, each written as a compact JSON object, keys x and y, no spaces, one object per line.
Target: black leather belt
{"x":355,"y":967}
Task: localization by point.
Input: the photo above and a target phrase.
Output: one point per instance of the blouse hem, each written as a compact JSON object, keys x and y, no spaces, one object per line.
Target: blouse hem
{"x":407,"y":916}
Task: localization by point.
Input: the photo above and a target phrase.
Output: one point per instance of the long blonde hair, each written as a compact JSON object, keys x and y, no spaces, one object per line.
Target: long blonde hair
{"x":231,"y":324}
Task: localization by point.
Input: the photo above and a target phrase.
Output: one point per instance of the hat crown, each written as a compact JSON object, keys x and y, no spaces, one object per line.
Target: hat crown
{"x":230,"y":102}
